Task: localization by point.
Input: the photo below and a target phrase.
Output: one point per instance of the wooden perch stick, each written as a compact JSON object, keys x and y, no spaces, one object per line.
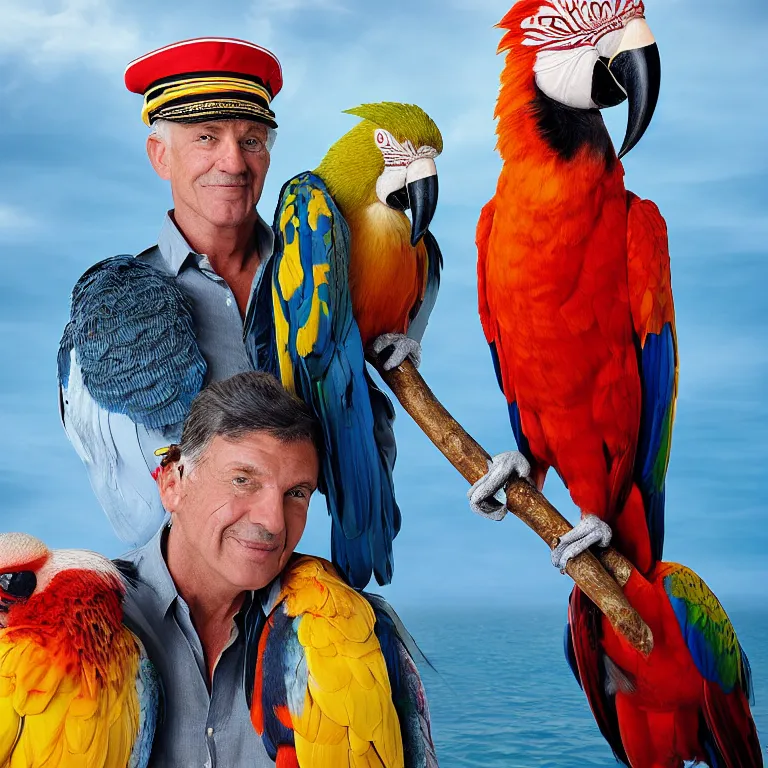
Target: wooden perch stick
{"x":524,"y":501}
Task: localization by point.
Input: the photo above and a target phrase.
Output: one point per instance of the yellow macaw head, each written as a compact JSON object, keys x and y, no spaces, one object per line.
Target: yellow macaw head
{"x":28,"y":567}
{"x":387,"y":159}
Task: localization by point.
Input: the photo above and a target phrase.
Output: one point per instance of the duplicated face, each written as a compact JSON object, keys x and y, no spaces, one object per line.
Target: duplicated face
{"x":242,"y":508}
{"x":216,"y":169}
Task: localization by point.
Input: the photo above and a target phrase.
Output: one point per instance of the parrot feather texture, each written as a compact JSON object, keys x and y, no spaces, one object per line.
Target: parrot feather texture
{"x":76,"y":687}
{"x":346,"y":271}
{"x":133,"y":335}
{"x":129,"y":367}
{"x":576,"y":303}
{"x":334,"y":683}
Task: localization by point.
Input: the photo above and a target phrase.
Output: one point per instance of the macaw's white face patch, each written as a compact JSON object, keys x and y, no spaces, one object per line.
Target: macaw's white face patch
{"x":403,"y":163}
{"x":397,"y":154}
{"x":571,"y":36}
{"x":568,"y":24}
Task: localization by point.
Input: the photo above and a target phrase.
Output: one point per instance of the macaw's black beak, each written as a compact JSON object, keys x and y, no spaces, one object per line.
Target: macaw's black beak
{"x":15,"y":587}
{"x":638,"y":72}
{"x":422,"y":196}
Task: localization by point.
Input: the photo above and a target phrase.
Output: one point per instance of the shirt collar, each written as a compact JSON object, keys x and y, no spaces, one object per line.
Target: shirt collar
{"x":175,"y":250}
{"x":155,"y":571}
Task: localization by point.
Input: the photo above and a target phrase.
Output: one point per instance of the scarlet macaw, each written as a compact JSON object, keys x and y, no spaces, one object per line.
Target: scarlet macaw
{"x":575,"y":301}
{"x":76,"y":687}
{"x":351,"y":271}
{"x":332,"y":683}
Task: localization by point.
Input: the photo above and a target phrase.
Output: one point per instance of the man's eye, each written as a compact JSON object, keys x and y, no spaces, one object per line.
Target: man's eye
{"x":253,"y":144}
{"x":205,"y":138}
{"x":239,"y":480}
{"x":297,"y":493}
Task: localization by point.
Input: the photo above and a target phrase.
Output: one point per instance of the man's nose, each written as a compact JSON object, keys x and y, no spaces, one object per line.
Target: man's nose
{"x":268,"y":510}
{"x":231,"y":159}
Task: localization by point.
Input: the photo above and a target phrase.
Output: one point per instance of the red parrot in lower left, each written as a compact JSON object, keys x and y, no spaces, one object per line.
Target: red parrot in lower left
{"x":576,"y":303}
{"x":76,"y":686}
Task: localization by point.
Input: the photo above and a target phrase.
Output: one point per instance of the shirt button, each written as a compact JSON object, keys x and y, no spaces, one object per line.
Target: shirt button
{"x":210,"y":731}
{"x":229,"y":302}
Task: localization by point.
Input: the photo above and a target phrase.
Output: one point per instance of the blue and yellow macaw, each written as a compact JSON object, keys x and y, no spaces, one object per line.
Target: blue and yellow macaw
{"x":76,"y":686}
{"x":350,"y":271}
{"x":332,"y":683}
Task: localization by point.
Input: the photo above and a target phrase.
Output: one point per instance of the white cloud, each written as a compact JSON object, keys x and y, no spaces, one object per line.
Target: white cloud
{"x":74,"y":31}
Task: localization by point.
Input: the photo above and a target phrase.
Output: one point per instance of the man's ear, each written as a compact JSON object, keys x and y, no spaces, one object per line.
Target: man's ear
{"x":169,"y":485}
{"x":157,"y":151}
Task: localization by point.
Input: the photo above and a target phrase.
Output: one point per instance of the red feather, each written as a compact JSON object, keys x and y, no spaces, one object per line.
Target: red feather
{"x":573,"y":278}
{"x":257,"y":705}
{"x":732,"y":726}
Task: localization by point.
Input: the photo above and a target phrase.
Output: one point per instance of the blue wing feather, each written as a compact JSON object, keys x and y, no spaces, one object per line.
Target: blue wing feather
{"x":514,"y":411}
{"x":658,"y":374}
{"x":149,"y":692}
{"x":284,"y":675}
{"x":707,"y":630}
{"x":331,"y":376}
{"x":133,"y":336}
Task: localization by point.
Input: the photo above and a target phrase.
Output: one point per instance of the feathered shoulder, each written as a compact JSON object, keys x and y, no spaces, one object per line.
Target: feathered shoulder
{"x":134,"y":341}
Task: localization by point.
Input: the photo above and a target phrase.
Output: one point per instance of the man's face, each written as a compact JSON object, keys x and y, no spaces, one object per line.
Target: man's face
{"x":216,"y":169}
{"x":242,"y":508}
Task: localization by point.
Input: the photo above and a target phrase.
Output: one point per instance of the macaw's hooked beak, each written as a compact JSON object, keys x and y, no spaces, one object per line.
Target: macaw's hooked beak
{"x":422,"y":195}
{"x":419,"y":194}
{"x":637,"y":69}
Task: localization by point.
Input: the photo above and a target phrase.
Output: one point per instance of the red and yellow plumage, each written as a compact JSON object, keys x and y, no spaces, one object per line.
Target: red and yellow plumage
{"x":575,"y":300}
{"x":322,"y":695}
{"x":68,"y":674}
{"x":387,"y":275}
{"x":556,"y":300}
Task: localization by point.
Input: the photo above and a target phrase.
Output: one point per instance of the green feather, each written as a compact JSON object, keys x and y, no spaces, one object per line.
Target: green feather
{"x":352,"y":165}
{"x":706,"y":627}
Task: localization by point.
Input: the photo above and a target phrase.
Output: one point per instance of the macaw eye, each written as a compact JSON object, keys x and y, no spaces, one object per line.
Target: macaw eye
{"x":20,"y":584}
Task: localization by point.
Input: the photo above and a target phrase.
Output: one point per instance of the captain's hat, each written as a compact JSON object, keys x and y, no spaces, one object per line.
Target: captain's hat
{"x":208,"y":78}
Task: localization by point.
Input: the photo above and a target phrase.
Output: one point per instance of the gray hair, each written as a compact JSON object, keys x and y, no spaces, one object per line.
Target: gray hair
{"x":162,"y":129}
{"x":240,"y":405}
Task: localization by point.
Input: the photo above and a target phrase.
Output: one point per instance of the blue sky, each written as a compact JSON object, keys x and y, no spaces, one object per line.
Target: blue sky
{"x":75,"y":187}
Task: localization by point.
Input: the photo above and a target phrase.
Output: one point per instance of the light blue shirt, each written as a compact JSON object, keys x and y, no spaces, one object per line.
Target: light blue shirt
{"x":218,"y":325}
{"x":197,"y":728}
{"x":118,"y":454}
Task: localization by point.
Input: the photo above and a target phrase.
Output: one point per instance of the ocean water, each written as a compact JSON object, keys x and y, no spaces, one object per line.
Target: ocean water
{"x":505,"y":697}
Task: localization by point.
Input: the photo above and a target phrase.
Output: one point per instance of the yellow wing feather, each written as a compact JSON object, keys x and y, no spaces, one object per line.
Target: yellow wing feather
{"x":348,"y":718}
{"x":55,"y":714}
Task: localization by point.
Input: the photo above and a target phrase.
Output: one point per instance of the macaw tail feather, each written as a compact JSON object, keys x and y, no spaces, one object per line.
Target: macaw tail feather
{"x":357,"y":474}
{"x":408,"y":695}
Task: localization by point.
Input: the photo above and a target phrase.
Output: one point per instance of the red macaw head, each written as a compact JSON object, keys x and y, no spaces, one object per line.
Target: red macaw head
{"x":21,"y":557}
{"x":28,"y":568}
{"x":589,"y":54}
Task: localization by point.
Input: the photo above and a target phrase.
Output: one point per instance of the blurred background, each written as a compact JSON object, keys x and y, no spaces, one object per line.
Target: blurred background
{"x":482,"y":598}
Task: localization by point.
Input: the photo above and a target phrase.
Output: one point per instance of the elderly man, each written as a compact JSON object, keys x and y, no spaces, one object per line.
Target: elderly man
{"x":238,"y":488}
{"x":147,"y":333}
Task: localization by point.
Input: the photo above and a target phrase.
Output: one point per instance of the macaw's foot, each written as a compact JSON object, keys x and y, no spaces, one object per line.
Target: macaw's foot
{"x":501,"y":469}
{"x":590,"y":530}
{"x":394,"y":348}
